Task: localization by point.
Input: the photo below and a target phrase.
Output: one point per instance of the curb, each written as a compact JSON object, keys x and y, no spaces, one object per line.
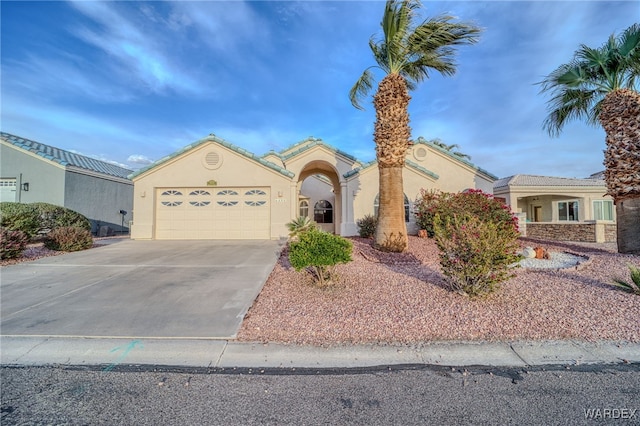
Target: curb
{"x":41,"y":351}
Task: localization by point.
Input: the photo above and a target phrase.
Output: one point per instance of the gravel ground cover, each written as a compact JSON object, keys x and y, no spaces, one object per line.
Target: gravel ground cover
{"x":402,"y":299}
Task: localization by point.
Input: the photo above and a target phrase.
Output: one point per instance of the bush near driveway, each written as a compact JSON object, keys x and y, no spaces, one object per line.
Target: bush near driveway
{"x":12,"y":243}
{"x":320,"y":251}
{"x":68,"y":238}
{"x":20,"y":217}
{"x":39,"y":218}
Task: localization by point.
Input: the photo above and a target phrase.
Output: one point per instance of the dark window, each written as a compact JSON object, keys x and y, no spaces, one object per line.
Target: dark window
{"x":323,"y":212}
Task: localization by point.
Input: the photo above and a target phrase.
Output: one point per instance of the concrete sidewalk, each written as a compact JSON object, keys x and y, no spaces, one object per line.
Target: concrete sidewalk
{"x":30,"y":351}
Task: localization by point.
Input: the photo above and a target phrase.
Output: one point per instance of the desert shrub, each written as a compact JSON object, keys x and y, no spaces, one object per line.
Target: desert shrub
{"x":320,"y":252}
{"x":475,"y":255}
{"x":300,"y":225}
{"x":12,"y":243}
{"x":367,"y":226}
{"x":68,"y":238}
{"x":53,"y":216}
{"x":474,"y":202}
{"x":632,"y":286}
{"x":19,"y":217}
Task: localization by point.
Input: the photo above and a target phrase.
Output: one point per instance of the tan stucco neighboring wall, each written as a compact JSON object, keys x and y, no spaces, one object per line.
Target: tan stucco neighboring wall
{"x":523,"y":199}
{"x":188,"y":170}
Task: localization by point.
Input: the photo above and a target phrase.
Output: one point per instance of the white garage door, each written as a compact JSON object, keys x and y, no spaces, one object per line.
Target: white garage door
{"x":212,"y":213}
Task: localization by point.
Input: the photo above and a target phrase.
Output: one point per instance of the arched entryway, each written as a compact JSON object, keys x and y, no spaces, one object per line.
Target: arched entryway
{"x":320,"y":196}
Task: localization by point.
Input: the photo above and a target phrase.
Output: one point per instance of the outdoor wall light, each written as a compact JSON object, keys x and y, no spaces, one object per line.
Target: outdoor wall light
{"x":25,"y":187}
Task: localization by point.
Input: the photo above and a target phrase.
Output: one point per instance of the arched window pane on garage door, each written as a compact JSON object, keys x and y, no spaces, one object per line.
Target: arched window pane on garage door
{"x":323,"y":212}
{"x":407,"y":207}
{"x":304,"y":208}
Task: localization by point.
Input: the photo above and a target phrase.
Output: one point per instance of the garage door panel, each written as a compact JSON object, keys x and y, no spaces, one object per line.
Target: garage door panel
{"x":207,"y":213}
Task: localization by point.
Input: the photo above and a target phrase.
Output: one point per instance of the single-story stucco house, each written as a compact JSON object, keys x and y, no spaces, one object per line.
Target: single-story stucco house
{"x":560,"y":208}
{"x":32,"y":172}
{"x":212,"y":189}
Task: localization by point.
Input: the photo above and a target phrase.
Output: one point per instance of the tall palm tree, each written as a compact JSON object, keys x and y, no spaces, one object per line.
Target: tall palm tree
{"x":405,"y":54}
{"x":601,"y":86}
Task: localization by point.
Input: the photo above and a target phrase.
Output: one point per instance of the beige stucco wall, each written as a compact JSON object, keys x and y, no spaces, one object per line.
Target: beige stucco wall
{"x":352,"y":197}
{"x":524,"y":199}
{"x":188,"y":170}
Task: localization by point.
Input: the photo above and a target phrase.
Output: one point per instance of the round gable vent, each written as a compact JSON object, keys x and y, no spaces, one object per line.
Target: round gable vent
{"x":420,"y":153}
{"x":212,"y":160}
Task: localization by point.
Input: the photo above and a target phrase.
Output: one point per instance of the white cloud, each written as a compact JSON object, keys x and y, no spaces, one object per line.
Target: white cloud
{"x":139,"y":159}
{"x":142,"y":54}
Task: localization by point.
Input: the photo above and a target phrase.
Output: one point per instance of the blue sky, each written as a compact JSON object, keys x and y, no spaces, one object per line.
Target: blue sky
{"x":130,"y":82}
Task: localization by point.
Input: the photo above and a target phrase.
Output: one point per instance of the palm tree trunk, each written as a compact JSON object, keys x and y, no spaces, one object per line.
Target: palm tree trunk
{"x":391,"y":231}
{"x":620,"y":118}
{"x":392,"y":134}
{"x":628,"y":225}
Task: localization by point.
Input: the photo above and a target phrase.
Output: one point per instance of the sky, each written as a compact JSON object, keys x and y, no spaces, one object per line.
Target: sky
{"x":131,"y":82}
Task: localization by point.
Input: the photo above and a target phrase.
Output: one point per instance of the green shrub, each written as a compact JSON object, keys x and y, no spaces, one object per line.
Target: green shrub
{"x":300,"y":225}
{"x":68,"y":238}
{"x":19,"y":217}
{"x":53,"y":216}
{"x":474,"y":202}
{"x":634,"y":285}
{"x":367,"y":226}
{"x":320,"y":252}
{"x":39,"y":218}
{"x":12,"y":243}
{"x":475,"y":255}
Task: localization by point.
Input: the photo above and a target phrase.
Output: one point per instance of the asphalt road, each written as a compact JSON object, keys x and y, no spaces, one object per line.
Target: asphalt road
{"x":425,"y":395}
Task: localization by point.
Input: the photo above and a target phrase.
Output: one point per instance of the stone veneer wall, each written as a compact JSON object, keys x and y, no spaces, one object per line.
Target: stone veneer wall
{"x":583,"y":232}
{"x":610,"y":234}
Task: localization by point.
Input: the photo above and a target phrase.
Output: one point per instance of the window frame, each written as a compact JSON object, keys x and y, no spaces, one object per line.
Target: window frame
{"x":576,"y":210}
{"x":323,"y":214}
{"x":602,"y":210}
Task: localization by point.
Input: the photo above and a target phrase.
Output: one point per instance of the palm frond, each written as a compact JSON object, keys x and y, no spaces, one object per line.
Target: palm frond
{"x":571,"y":104}
{"x":634,"y":285}
{"x":578,"y":88}
{"x":361,"y":89}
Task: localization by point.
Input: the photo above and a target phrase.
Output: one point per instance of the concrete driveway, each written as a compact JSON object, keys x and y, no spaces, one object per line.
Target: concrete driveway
{"x":164,"y":289}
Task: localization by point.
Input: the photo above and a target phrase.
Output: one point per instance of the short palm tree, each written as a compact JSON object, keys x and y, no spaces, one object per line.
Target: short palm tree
{"x":405,"y":53}
{"x":601,"y":86}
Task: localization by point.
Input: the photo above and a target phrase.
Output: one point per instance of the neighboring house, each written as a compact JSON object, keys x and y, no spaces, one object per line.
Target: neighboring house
{"x":31,"y":172}
{"x":212,"y":189}
{"x":547,"y":202}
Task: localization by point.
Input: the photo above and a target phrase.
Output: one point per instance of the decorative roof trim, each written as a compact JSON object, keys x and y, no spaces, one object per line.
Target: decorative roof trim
{"x":456,"y":158}
{"x":66,"y":159}
{"x":307,"y":144}
{"x":411,"y":164}
{"x":215,"y":139}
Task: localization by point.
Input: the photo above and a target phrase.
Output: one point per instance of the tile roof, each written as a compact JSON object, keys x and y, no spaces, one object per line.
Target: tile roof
{"x":216,"y":139}
{"x":534,"y":180}
{"x":307,"y":144}
{"x":66,"y":158}
{"x":407,"y":162}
